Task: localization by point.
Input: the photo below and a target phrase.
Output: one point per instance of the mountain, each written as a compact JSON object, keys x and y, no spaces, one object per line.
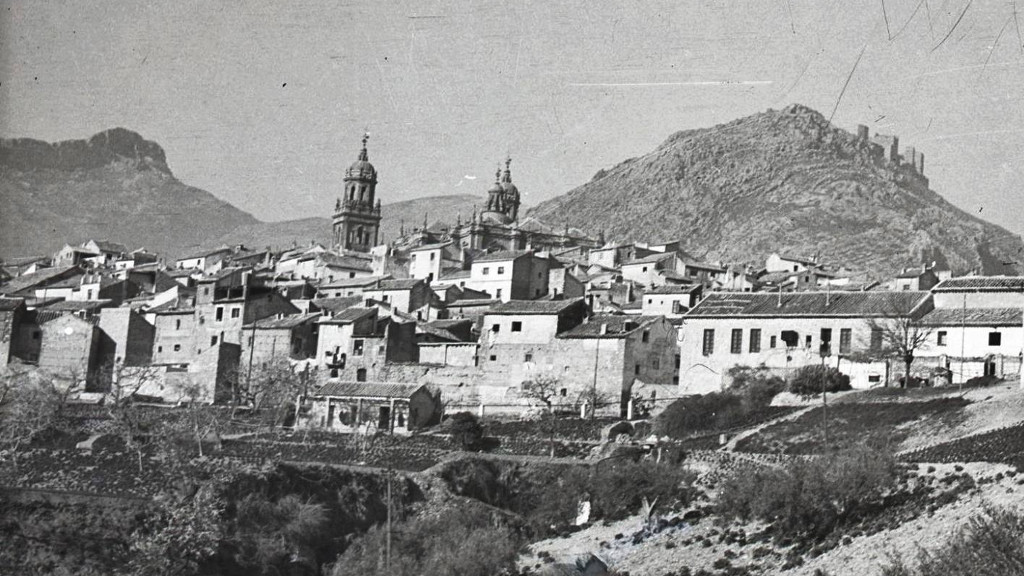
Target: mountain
{"x":784,"y":181}
{"x":117,"y":185}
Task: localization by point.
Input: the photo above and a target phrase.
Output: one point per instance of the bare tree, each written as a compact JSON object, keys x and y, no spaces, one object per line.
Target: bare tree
{"x":202,"y":419}
{"x":122,"y":403}
{"x":544,"y":389}
{"x":267,"y":390}
{"x":897,"y":334}
{"x":31,"y":403}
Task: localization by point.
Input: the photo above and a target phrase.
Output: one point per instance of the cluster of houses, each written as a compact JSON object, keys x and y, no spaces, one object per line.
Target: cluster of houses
{"x":467,"y":315}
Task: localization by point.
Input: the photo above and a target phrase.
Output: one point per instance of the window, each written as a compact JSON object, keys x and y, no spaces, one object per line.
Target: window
{"x":845,"y":340}
{"x":213,"y":341}
{"x":487,"y":270}
{"x":790,"y":338}
{"x":941,"y":338}
{"x":235,"y":312}
{"x":159,"y":348}
{"x":772,"y":342}
{"x":250,"y":344}
{"x":177,"y":347}
{"x":517,"y":326}
{"x":675,"y":380}
{"x":874,"y":378}
{"x":678,"y":362}
{"x":807,"y":341}
{"x":708,"y":346}
{"x":636,"y":369}
{"x":36,"y":334}
{"x":495,"y":328}
{"x":995,"y":338}
{"x":501,"y":269}
{"x":177,"y":324}
{"x":650,"y":300}
{"x":656,"y":363}
{"x":432,"y":255}
{"x":876,"y":339}
{"x":646,"y":337}
{"x":498,"y":294}
{"x":384,"y":298}
{"x":220,"y":313}
{"x":563,"y":392}
{"x":736,"y":342}
{"x":494,"y":357}
{"x":357,"y":347}
{"x":755,"y":340}
{"x":88,"y":294}
{"x":645,"y":269}
{"x":528,"y":357}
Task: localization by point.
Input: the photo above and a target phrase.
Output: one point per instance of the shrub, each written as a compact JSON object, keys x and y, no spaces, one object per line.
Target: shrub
{"x":807,"y":381}
{"x":756,"y":386}
{"x":460,"y":540}
{"x":990,"y":543}
{"x":810,"y":497}
{"x":466,"y":430}
{"x":699,"y":413}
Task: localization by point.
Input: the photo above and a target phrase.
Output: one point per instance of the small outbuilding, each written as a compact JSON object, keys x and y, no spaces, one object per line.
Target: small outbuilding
{"x":354,"y":406}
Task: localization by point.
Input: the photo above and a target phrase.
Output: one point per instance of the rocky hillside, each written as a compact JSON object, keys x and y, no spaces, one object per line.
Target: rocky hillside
{"x":783,"y":181}
{"x":117,"y":185}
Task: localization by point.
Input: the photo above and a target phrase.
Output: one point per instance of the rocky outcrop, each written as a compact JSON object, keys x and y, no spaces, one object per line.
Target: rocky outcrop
{"x":783,"y":181}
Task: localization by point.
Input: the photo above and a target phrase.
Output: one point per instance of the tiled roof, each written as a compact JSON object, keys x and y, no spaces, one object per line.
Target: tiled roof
{"x":290,"y":321}
{"x":502,"y":256}
{"x":34,"y":279}
{"x":439,"y":332}
{"x":798,"y":259}
{"x":974,"y":317}
{"x":613,"y":325}
{"x":399,"y":284}
{"x":113,"y":247}
{"x":982,"y":283}
{"x":807,"y":304}
{"x":356,"y":282}
{"x":449,"y":323}
{"x":703,"y":265}
{"x":75,"y":305}
{"x":350,"y":315}
{"x":176,"y":306}
{"x":437,"y":246}
{"x":337,"y":304}
{"x":347,"y":262}
{"x":8,"y":304}
{"x":653,"y":258}
{"x":367,"y":390}
{"x":673,"y":289}
{"x":535,"y":306}
{"x":453,"y":275}
{"x":469,"y":302}
{"x":223,"y":273}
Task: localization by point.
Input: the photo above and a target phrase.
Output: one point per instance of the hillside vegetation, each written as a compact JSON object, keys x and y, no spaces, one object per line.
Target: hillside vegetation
{"x":782,"y":181}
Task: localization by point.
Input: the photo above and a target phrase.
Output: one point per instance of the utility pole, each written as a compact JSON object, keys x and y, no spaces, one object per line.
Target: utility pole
{"x":593,"y":396}
{"x":963,"y":340}
{"x":387,"y":550}
{"x":825,"y":351}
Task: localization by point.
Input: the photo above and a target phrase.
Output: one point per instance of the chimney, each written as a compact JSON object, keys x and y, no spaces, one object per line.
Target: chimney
{"x":603,"y":330}
{"x":862,"y":132}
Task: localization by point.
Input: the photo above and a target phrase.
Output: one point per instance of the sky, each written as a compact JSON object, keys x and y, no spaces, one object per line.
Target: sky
{"x":264,"y":103}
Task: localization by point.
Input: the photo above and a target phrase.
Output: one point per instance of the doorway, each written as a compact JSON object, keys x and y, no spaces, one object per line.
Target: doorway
{"x":384,"y":419}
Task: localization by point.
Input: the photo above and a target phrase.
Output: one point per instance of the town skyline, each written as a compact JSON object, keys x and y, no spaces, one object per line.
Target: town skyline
{"x":263,"y":102}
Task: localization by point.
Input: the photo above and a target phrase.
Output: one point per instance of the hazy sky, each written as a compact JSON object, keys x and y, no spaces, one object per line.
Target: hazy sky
{"x":263,"y":103}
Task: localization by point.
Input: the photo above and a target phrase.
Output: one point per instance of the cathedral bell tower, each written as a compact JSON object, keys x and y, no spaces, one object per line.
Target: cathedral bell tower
{"x":357,"y":212}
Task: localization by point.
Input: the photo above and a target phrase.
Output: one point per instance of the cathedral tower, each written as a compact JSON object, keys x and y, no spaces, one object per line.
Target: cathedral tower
{"x":357,"y":212}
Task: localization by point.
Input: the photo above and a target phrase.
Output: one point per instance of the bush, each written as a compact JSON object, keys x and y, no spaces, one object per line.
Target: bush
{"x":466,"y":430}
{"x":460,"y":540}
{"x":699,"y":413}
{"x":756,"y":386}
{"x":991,"y":543}
{"x":807,"y":381}
{"x":810,"y":497}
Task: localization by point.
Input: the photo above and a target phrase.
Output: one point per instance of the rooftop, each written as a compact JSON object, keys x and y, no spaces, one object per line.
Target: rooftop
{"x":399,"y":284}
{"x":368,"y":390}
{"x":75,"y":305}
{"x":8,"y":304}
{"x":609,"y":326}
{"x":337,"y":304}
{"x":673,"y":289}
{"x":974,"y":317}
{"x":982,"y":284}
{"x":357,"y":282}
{"x":652,"y":259}
{"x":350,"y":315}
{"x":808,"y":304}
{"x":285,"y":322}
{"x":424,"y":247}
{"x":26,"y":281}
{"x":535,"y":306}
{"x":503,"y":256}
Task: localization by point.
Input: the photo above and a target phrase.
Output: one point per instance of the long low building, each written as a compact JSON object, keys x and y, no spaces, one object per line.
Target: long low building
{"x":787,"y":331}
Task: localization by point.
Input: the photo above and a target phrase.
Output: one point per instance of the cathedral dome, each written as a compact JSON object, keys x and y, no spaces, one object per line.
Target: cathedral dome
{"x":361,"y":168}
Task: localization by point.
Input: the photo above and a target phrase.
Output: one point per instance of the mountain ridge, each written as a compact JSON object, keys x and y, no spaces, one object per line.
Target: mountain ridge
{"x":784,"y":181}
{"x":118,"y":185}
